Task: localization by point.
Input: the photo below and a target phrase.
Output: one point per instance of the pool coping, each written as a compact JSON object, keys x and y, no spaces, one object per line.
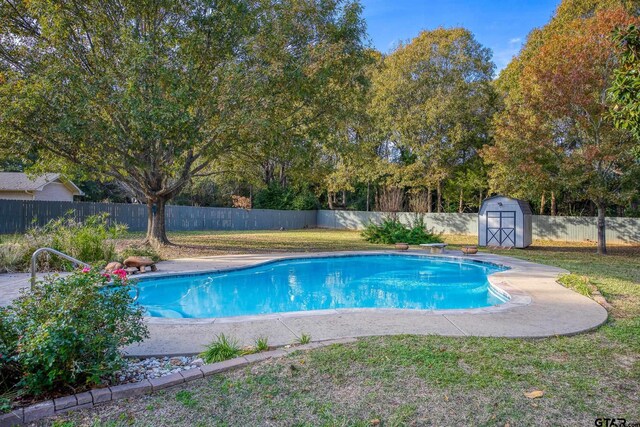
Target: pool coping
{"x":538,"y":307}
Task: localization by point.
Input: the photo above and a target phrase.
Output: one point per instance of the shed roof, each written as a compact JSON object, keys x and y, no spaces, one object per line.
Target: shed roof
{"x":523,"y":204}
{"x":18,"y":181}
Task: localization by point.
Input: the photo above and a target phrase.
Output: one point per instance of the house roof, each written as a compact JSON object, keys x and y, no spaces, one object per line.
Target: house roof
{"x":18,"y":181}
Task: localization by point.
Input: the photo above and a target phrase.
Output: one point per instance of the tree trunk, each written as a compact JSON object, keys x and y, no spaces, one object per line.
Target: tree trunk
{"x":439,"y":198}
{"x":329,"y":200}
{"x":602,"y":238}
{"x":460,"y":203}
{"x":156,"y":227}
{"x":429,"y":200}
{"x":344,"y":198}
{"x":554,"y":206}
{"x":368,"y":190}
{"x":480,"y":201}
{"x":542,"y":203}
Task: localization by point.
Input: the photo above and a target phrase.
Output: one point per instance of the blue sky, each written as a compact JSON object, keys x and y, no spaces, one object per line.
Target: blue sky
{"x":501,"y":25}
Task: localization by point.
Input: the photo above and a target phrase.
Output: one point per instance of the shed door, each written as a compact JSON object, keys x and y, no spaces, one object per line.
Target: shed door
{"x":501,"y":228}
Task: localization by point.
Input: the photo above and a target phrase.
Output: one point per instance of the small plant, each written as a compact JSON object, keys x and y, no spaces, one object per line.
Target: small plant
{"x":304,"y":339}
{"x":392,"y":231}
{"x":262,"y":344}
{"x":222,"y":348}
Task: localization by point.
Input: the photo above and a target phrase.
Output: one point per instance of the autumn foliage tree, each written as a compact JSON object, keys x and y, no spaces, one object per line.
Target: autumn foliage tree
{"x":562,"y":116}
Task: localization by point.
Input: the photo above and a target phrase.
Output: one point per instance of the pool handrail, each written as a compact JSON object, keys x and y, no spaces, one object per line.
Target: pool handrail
{"x":34,"y":259}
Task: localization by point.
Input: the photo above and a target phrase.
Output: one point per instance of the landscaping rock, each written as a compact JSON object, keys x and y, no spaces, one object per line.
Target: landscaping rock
{"x":136,"y":264}
{"x":138,"y":261}
{"x":155,"y":367}
{"x":112,"y":266}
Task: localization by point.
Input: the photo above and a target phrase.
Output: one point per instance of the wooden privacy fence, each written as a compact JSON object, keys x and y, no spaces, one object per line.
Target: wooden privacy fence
{"x":16,"y":216}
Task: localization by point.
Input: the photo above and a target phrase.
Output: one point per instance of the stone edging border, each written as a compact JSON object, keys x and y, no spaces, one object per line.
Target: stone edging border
{"x":89,"y":399}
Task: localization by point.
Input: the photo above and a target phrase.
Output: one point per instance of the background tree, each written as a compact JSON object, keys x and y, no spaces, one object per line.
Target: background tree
{"x":151,"y":93}
{"x":433,"y":98}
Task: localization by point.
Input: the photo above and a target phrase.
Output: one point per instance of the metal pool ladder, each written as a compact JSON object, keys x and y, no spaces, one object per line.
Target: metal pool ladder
{"x":34,"y":259}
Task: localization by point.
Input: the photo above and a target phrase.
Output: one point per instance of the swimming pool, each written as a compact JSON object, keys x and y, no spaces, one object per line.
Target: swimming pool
{"x":304,"y":284}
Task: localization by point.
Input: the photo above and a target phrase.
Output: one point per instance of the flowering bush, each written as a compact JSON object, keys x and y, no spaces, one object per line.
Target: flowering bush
{"x":66,"y":332}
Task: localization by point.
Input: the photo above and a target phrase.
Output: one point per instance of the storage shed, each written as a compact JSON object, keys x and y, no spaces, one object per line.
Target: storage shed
{"x":505,"y":222}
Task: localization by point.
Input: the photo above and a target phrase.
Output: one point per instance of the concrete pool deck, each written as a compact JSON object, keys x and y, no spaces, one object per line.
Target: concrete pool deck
{"x":539,"y":307}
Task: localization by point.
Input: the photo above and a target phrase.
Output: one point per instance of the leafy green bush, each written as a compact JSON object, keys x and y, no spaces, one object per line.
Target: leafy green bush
{"x":9,"y":370}
{"x":66,"y":332}
{"x":392,"y":231}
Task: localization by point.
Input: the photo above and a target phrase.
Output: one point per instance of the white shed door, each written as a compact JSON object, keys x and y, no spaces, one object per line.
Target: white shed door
{"x":501,"y":228}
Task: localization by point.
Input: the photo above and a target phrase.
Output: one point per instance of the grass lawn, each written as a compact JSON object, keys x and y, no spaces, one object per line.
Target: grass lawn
{"x":415,"y":380}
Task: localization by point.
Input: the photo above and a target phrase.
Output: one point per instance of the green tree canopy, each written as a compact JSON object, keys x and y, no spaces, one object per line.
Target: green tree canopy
{"x":151,"y":93}
{"x":433,"y":98}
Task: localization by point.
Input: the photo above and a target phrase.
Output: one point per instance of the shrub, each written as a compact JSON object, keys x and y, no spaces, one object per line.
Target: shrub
{"x":9,"y":370}
{"x":222,"y":348}
{"x":89,"y":241}
{"x":66,"y":332}
{"x":392,"y":231}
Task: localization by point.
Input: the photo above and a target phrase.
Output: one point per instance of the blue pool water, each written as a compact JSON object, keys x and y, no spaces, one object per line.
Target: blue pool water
{"x":373,"y":281}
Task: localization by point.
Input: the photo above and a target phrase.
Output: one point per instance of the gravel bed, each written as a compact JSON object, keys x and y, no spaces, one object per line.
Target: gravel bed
{"x":155,"y":367}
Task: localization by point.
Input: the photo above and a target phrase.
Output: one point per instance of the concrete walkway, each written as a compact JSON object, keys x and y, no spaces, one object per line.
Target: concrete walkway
{"x":539,"y":307}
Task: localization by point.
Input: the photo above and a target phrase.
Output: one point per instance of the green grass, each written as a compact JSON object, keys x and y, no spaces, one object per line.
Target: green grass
{"x":424,"y":380}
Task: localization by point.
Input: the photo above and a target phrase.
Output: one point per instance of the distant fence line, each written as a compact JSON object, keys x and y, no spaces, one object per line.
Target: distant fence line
{"x":562,"y":228}
{"x":16,"y":216}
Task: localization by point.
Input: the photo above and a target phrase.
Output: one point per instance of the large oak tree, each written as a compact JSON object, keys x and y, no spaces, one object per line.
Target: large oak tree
{"x":152,"y":93}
